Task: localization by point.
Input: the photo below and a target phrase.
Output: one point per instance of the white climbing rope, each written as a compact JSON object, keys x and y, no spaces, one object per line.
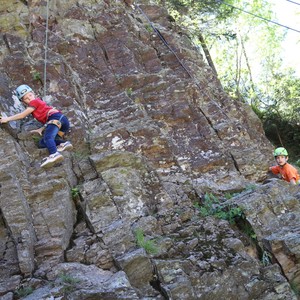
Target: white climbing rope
{"x":46,"y":49}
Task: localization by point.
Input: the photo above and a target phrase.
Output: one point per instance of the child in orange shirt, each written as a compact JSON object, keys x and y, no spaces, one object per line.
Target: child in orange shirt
{"x":286,"y":170}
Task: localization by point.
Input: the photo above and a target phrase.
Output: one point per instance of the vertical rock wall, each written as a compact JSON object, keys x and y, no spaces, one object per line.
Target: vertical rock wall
{"x":152,"y":130}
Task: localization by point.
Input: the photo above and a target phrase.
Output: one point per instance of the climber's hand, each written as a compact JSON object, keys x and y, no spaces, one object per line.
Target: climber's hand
{"x":39,"y":131}
{"x":4,"y":120}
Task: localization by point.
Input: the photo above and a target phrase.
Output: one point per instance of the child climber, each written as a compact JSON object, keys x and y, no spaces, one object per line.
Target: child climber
{"x":54,"y":123}
{"x":286,"y":170}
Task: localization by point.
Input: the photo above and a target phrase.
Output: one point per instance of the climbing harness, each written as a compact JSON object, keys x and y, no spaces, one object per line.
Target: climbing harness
{"x":58,"y":124}
{"x":55,"y":122}
{"x":46,"y":49}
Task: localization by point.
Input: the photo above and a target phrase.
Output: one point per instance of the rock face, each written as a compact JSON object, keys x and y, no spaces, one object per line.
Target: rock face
{"x":273,"y":213}
{"x":153,"y":132}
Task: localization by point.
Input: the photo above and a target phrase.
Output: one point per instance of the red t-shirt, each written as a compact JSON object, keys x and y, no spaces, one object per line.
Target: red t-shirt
{"x":41,"y":109}
{"x":287,"y":172}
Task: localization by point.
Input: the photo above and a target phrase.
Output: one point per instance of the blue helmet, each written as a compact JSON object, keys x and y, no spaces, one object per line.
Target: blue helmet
{"x":22,"y":90}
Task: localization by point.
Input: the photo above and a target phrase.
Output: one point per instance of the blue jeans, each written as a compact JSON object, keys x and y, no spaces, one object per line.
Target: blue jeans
{"x":50,"y":138}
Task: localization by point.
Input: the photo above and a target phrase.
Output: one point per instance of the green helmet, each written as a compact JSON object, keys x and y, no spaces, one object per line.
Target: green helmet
{"x":280,"y":151}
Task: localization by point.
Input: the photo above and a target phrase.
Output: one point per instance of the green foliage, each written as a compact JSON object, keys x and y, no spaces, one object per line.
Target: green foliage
{"x":69,"y":283}
{"x":211,"y":206}
{"x":75,"y":192}
{"x":68,"y":279}
{"x":250,"y":187}
{"x":149,"y":28}
{"x":280,"y":112}
{"x":36,"y":76}
{"x":129,"y":92}
{"x":23,"y":292}
{"x":191,"y":9}
{"x":149,"y":245}
{"x":208,"y":207}
{"x":246,"y":52}
{"x":295,"y":288}
{"x":36,"y":139}
{"x":228,"y":196}
{"x":247,"y":229}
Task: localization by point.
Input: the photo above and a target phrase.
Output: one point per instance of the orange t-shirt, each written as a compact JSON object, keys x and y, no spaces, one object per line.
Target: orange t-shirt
{"x":287,"y":172}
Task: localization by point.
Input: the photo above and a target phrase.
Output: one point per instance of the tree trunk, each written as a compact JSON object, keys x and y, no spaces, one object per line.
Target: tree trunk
{"x":238,"y":73}
{"x":207,"y":54}
{"x":253,"y":101}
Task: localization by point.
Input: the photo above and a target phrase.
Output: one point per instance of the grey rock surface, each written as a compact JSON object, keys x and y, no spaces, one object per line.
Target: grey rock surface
{"x":119,"y":218}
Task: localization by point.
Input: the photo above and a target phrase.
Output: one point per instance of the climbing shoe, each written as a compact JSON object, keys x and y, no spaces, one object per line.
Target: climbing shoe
{"x":64,"y":146}
{"x":52,"y":160}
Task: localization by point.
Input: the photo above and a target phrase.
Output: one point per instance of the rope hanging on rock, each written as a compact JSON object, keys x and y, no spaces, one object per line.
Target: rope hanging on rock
{"x":182,"y":65}
{"x":167,"y":45}
{"x":46,"y":49}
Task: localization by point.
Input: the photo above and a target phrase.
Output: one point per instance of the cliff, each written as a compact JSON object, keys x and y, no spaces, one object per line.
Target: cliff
{"x":155,"y":136}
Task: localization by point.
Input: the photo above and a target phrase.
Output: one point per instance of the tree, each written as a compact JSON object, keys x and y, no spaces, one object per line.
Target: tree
{"x":244,"y":50}
{"x":229,"y":38}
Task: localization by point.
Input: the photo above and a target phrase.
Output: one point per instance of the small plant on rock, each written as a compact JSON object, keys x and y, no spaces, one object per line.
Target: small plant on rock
{"x":69,"y":283}
{"x":36,"y":139}
{"x":211,"y":206}
{"x":66,"y":278}
{"x":149,"y":28}
{"x":247,"y":229}
{"x":129,"y":92}
{"x":149,"y":245}
{"x":23,"y":292}
{"x":36,"y":75}
{"x":75,"y":192}
{"x":250,"y":187}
